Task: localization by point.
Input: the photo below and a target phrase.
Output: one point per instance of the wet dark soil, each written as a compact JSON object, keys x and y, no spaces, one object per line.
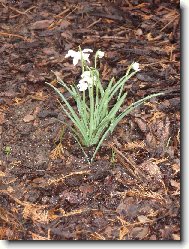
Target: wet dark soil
{"x":47,"y":189}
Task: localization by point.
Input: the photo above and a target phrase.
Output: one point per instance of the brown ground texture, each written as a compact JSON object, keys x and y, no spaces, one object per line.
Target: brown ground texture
{"x":132,"y":189}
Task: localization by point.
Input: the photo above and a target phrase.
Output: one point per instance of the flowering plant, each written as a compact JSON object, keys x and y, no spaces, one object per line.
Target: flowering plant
{"x":93,"y":118}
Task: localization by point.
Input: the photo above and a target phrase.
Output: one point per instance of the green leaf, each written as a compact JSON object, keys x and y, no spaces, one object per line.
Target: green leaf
{"x":72,"y":115}
{"x":132,"y":107}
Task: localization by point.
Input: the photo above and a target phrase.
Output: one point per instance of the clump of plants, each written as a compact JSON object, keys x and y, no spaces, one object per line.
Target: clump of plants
{"x":94,"y":118}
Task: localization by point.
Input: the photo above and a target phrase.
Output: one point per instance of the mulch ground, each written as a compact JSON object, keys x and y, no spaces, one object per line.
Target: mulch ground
{"x":132,"y":189}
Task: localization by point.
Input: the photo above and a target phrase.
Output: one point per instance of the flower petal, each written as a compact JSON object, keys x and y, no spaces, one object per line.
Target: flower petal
{"x":71,"y":53}
{"x":135,"y":66}
{"x":77,"y":55}
{"x":82,"y":85}
{"x":86,"y":74}
{"x":100,"y":54}
{"x":75,"y":61}
{"x":86,"y":57}
{"x":87,"y":50}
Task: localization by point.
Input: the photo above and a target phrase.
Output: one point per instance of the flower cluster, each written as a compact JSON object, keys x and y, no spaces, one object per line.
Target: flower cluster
{"x":79,"y":55}
{"x":87,"y":78}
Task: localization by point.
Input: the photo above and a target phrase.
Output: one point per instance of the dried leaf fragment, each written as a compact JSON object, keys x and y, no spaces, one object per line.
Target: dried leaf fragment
{"x":28,"y":118}
{"x":123,"y":231}
{"x":139,"y":232}
{"x":43,"y":24}
{"x":175,"y":184}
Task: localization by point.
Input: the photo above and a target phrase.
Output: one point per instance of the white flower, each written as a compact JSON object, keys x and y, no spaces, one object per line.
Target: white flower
{"x":86,"y":50}
{"x":82,"y":85}
{"x":77,"y":55}
{"x":87,"y":80}
{"x":86,"y":74}
{"x":70,"y":53}
{"x":100,"y":54}
{"x":87,"y":77}
{"x":135,"y":66}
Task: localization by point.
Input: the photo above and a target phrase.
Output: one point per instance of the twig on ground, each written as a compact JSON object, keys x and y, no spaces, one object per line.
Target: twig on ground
{"x":95,"y":22}
{"x":13,"y":35}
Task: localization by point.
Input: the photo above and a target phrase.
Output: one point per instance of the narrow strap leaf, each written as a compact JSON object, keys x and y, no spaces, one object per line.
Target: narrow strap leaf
{"x":131,"y":107}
